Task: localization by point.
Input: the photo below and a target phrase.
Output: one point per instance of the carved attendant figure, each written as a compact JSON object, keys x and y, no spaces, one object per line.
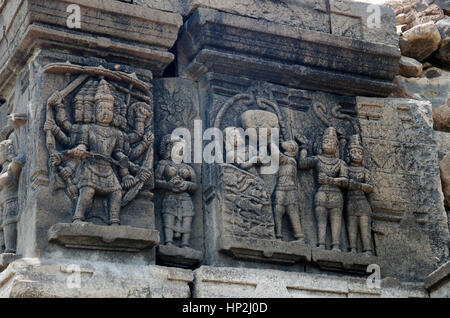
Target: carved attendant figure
{"x":97,"y":145}
{"x":180,"y":181}
{"x":358,"y":207}
{"x":9,"y":182}
{"x":286,"y":199}
{"x":332,"y":175}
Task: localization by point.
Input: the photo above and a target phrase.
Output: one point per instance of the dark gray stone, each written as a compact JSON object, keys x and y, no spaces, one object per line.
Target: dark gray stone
{"x":184,"y":257}
{"x":269,"y":251}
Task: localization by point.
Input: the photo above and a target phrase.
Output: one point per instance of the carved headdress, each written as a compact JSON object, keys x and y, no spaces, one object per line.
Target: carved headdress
{"x":355,"y":142}
{"x":331,"y":132}
{"x":104,"y":93}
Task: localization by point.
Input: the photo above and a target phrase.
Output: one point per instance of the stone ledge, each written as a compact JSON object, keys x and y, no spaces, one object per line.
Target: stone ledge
{"x":342,"y":261}
{"x":271,"y":251}
{"x":438,"y":276}
{"x":184,"y":257}
{"x":285,"y":55}
{"x":97,"y":237}
{"x":226,"y":282}
{"x":119,"y":31}
{"x":48,"y":278}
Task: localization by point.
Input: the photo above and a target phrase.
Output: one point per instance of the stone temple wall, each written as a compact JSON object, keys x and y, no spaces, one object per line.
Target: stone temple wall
{"x":101,"y":99}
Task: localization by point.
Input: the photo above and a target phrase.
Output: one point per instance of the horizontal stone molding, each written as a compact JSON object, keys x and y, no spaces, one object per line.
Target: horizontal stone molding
{"x":211,"y":41}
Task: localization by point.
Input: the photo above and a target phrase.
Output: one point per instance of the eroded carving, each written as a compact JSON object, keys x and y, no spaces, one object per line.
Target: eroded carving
{"x":9,"y":206}
{"x":179,"y":181}
{"x":332,"y":177}
{"x":286,"y":198}
{"x":100,"y":142}
{"x":358,"y":207}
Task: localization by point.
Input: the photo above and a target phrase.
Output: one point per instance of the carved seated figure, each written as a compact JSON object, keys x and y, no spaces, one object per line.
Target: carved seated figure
{"x":358,"y":207}
{"x":332,"y":176}
{"x":180,"y":181}
{"x":286,"y":198}
{"x":9,"y":206}
{"x":97,"y":145}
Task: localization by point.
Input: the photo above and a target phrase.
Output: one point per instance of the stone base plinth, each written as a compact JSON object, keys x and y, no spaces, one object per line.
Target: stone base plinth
{"x":270,"y":251}
{"x":98,"y":237}
{"x":36,"y":278}
{"x":342,"y":261}
{"x":224,"y":282}
{"x":184,"y":257}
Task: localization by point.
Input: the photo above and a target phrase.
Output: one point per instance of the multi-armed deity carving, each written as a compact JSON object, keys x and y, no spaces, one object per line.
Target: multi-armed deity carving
{"x":104,"y":144}
{"x":11,"y":167}
{"x":179,"y":182}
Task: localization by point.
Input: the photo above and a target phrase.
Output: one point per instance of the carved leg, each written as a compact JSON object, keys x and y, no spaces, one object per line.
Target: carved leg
{"x":84,"y":202}
{"x":352,"y":227}
{"x":322,"y":217}
{"x":169,"y":221}
{"x":186,"y":237}
{"x":115,"y":199}
{"x":279,"y":213}
{"x":366,"y":230}
{"x":295,"y":221}
{"x":10,"y":234}
{"x":336,"y":221}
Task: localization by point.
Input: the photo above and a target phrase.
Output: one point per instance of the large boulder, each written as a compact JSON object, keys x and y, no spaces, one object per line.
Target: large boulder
{"x":432,"y":86}
{"x":410,"y":67}
{"x":420,"y":41}
{"x":444,"y":30}
{"x":441,"y":117}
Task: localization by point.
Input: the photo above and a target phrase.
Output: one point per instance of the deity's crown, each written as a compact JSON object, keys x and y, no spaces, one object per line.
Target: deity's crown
{"x":330,"y":132}
{"x":104,"y":93}
{"x":355,"y":142}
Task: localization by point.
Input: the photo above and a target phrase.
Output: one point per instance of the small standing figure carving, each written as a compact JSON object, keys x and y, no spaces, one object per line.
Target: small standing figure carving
{"x":286,"y":198}
{"x":9,"y":205}
{"x":180,"y":181}
{"x":358,"y":207}
{"x":332,"y":176}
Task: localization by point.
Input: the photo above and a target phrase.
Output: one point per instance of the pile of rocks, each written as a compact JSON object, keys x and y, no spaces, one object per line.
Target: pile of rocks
{"x":424,"y":28}
{"x":424,"y":69}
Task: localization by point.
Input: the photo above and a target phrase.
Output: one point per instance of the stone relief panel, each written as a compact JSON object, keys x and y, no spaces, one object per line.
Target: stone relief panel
{"x":317,"y":200}
{"x":99,"y":136}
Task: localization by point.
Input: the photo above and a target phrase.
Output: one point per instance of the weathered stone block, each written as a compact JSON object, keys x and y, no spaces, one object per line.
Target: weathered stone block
{"x":223,"y":282}
{"x":34,"y":278}
{"x":299,"y":58}
{"x":91,"y":236}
